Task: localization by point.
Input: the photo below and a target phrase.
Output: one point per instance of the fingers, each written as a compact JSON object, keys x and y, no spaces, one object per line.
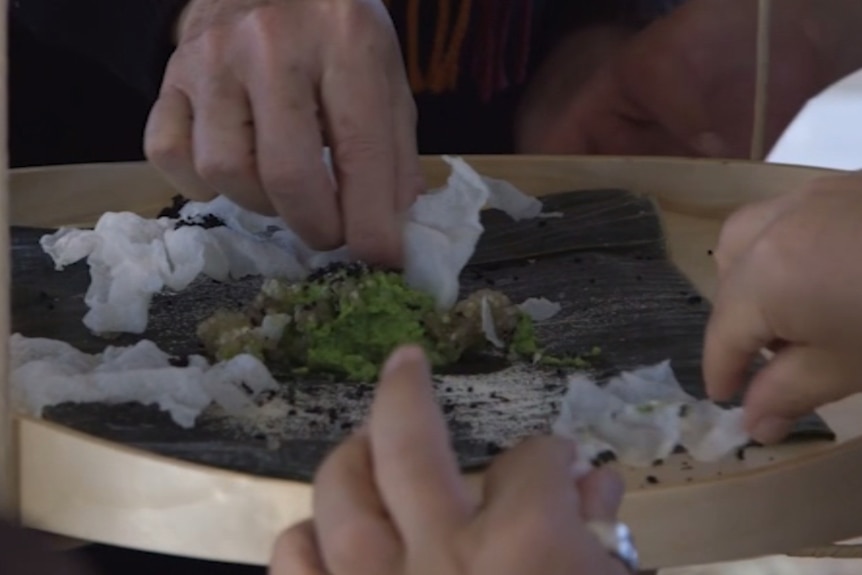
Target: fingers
{"x":735,"y":333}
{"x":410,"y":179}
{"x":793,"y":384}
{"x":358,"y":107}
{"x":289,"y":145}
{"x":168,"y":144}
{"x":743,"y":227}
{"x":601,"y":494}
{"x":296,"y":552}
{"x":223,"y":138}
{"x":352,"y":525}
{"x":533,"y":478}
{"x":415,"y":469}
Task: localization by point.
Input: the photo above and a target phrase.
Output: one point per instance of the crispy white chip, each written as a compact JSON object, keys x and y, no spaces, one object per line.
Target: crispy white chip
{"x":46,"y":373}
{"x":132,"y":258}
{"x":642,"y":416}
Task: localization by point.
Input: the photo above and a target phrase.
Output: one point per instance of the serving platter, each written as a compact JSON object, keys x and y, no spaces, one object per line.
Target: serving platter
{"x":82,"y":486}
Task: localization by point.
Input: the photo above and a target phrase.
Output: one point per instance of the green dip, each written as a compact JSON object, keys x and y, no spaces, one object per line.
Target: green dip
{"x":346,"y":320}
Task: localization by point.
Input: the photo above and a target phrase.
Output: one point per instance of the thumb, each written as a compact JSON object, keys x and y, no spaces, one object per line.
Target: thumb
{"x":601,"y":493}
{"x":797,"y":381}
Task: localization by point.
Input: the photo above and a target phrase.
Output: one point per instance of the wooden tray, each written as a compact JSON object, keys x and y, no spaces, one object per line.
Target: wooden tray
{"x":75,"y":485}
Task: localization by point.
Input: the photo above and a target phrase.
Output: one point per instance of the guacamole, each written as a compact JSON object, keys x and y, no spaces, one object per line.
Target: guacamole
{"x":345,"y":320}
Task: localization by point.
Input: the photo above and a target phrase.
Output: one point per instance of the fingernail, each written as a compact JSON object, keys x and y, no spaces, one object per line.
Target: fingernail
{"x":402,"y":357}
{"x":710,"y":144}
{"x":771,"y":430}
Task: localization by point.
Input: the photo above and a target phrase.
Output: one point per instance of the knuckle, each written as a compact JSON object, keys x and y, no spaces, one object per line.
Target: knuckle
{"x":356,"y":144}
{"x":166,"y":152}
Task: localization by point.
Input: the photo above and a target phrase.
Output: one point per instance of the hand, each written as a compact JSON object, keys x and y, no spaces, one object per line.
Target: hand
{"x":685,"y":84}
{"x":254,"y":90}
{"x":391,"y":500}
{"x":790,"y":281}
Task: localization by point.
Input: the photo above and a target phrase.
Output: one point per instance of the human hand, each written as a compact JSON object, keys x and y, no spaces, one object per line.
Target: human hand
{"x":391,"y":500}
{"x":685,"y":85}
{"x":789,"y":281}
{"x":254,"y":91}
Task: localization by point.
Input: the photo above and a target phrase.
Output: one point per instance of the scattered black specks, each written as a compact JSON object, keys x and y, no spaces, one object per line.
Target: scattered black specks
{"x":332,"y":413}
{"x":740,"y":454}
{"x":652,"y":479}
{"x":173,"y":212}
{"x":604,"y":457}
{"x":710,"y":252}
{"x":474,"y":405}
{"x":209,"y":221}
{"x":470,"y":389}
{"x":246,"y":388}
{"x":694,"y":300}
{"x":683,"y":410}
{"x":448,"y":389}
{"x":448,"y":408}
{"x":345,"y":425}
{"x":291,"y":413}
{"x":259,"y":437}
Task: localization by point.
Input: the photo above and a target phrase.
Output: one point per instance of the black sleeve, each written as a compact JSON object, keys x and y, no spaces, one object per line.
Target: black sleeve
{"x":131,"y":38}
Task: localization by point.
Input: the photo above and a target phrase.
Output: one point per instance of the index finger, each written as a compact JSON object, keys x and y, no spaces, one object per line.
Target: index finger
{"x":359,"y":108}
{"x":416,"y":471}
{"x":735,"y":334}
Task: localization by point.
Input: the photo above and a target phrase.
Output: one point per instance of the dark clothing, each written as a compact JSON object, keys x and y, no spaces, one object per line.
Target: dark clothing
{"x":85,"y":72}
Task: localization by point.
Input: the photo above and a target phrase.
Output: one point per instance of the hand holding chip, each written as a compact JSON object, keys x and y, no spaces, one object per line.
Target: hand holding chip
{"x":254,"y":90}
{"x":391,"y":500}
{"x":790,"y":280}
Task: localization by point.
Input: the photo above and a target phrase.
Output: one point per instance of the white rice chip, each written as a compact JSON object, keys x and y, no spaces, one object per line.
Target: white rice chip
{"x":506,"y":197}
{"x":46,"y":373}
{"x":539,"y":308}
{"x":132,"y":258}
{"x":489,"y":326}
{"x":643,"y":415}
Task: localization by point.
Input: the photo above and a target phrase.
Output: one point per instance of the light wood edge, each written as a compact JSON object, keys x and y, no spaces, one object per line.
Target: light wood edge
{"x":162,"y":505}
{"x":179,"y":508}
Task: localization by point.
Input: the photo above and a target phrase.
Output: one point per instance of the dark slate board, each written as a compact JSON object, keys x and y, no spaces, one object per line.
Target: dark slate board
{"x":604,"y":261}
